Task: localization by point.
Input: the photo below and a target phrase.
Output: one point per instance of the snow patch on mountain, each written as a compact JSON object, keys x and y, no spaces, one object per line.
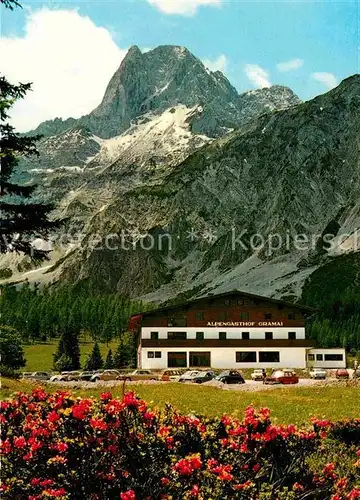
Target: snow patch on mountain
{"x":167,"y":133}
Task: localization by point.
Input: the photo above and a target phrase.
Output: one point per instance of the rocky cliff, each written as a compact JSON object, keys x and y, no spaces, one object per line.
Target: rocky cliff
{"x":186,"y":184}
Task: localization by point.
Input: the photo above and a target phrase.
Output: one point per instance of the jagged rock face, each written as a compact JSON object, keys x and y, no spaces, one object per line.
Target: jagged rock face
{"x":99,"y":170}
{"x":173,"y":149}
{"x":290,"y":172}
{"x":165,"y":77}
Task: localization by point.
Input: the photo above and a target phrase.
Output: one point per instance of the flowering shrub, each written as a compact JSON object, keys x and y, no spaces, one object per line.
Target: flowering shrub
{"x":60,"y":446}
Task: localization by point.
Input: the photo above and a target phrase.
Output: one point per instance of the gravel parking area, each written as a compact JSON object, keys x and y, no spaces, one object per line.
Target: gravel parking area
{"x":249,"y":386}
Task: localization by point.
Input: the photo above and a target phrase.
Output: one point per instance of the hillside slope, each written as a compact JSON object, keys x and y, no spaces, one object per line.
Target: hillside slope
{"x":287,"y":173}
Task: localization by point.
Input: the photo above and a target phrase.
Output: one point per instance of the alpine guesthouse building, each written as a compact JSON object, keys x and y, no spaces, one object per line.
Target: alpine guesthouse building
{"x":231,"y":330}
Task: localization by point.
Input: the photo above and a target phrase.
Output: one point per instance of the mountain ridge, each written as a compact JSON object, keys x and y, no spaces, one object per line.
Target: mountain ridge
{"x":164,"y":77}
{"x":261,"y":161}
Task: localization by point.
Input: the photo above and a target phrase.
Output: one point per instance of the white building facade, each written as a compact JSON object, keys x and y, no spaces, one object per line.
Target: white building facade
{"x":230,"y":331}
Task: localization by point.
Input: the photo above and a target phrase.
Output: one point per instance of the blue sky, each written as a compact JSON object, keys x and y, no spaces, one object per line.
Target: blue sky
{"x":317,"y":40}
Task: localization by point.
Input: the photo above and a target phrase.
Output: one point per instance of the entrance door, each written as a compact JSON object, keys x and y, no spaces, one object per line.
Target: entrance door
{"x":177,"y":360}
{"x":200,"y":359}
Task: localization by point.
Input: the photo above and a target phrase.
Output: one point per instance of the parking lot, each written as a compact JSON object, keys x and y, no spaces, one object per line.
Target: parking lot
{"x":249,"y":386}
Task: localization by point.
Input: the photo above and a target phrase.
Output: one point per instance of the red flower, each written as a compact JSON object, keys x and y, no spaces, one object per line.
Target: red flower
{"x":78,"y":412}
{"x":105,"y":396}
{"x":5,"y":446}
{"x":355,"y":493}
{"x":244,"y":486}
{"x":55,"y":493}
{"x":223,"y":472}
{"x":164,"y":481}
{"x":53,"y":417}
{"x":329,"y":471}
{"x":186,"y":466}
{"x":195,"y":490}
{"x":19,"y":442}
{"x":264,"y":413}
{"x":39,"y":394}
{"x":61,"y":447}
{"x":131,"y":400}
{"x":128,"y":495}
{"x":298,"y":487}
{"x":341,"y":483}
{"x":46,"y":482}
{"x":98,"y":424}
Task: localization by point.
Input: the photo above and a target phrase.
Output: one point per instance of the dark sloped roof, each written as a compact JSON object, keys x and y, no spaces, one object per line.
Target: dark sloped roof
{"x":227,"y":294}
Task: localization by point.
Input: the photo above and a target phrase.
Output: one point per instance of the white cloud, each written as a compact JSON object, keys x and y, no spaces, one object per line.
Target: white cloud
{"x":183,"y":7}
{"x":218,"y":64}
{"x":328,"y":79}
{"x":290,"y":65}
{"x":257,"y":75}
{"x":68,"y":58}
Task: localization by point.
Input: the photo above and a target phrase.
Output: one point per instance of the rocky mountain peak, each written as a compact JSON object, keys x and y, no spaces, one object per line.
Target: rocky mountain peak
{"x":167,"y":76}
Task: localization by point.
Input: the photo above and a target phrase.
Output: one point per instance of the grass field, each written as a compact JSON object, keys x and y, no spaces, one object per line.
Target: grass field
{"x":39,"y":356}
{"x":288,"y":405}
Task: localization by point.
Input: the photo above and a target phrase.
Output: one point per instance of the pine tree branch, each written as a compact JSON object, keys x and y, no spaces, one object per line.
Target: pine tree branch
{"x":7,"y":188}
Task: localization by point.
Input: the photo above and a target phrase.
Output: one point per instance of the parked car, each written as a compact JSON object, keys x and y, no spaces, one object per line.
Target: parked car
{"x":65,"y":376}
{"x":282,"y":377}
{"x":86,"y":376}
{"x":202,"y":377}
{"x":318,"y":373}
{"x":170,"y":375}
{"x":36,"y":375}
{"x":258,"y":374}
{"x":342,"y":374}
{"x":188,"y":376}
{"x":356,"y":373}
{"x":138,"y":375}
{"x":105,"y":375}
{"x":230,"y":377}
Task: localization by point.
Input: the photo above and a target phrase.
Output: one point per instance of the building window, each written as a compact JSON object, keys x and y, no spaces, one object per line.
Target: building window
{"x":226,"y":302}
{"x":311,"y":357}
{"x":334,"y":357}
{"x":199,"y":335}
{"x":154,"y":335}
{"x":176,"y":335}
{"x":244,"y":315}
{"x":200,"y":316}
{"x":152,"y":354}
{"x":292,"y":335}
{"x":269,"y":357}
{"x":269,"y":335}
{"x":222,"y":335}
{"x":319,"y":357}
{"x":291,"y":315}
{"x":177,"y":360}
{"x":223,"y":316}
{"x":246,"y":357}
{"x":245,"y":335}
{"x":267,"y":316}
{"x":200,"y":359}
{"x":177,"y":322}
{"x":240,"y":302}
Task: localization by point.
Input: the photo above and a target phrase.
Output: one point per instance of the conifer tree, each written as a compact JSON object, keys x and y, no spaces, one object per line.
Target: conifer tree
{"x":63,"y":364}
{"x":120,"y":356}
{"x":109,"y":362}
{"x":94,"y":360}
{"x":22,"y":218}
{"x":68,"y":346}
